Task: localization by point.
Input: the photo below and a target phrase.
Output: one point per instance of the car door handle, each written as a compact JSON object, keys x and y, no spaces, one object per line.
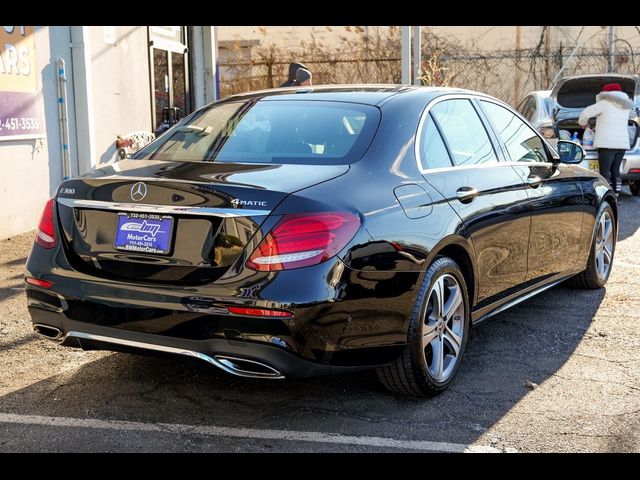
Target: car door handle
{"x":466,"y":194}
{"x":534,"y":181}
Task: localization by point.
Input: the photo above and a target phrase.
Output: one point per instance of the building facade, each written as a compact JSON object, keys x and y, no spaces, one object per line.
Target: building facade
{"x":68,"y":92}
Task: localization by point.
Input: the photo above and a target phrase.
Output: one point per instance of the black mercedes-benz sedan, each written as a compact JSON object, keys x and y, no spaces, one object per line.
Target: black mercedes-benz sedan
{"x":296,"y":232}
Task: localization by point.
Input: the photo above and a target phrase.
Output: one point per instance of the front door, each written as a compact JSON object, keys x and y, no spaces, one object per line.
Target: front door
{"x":556,"y":196}
{"x":487,"y":194}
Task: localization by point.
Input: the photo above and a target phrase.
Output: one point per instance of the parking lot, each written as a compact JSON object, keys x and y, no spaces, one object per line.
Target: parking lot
{"x":559,"y":372}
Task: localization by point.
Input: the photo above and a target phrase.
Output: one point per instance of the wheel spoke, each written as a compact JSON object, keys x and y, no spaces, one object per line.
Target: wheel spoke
{"x":600,"y":264}
{"x":454,"y":340}
{"x":608,"y":230}
{"x":601,"y":228}
{"x":453,"y":302}
{"x":438,"y":290}
{"x":429,"y":332}
{"x":606,"y":254}
{"x":437,"y":358}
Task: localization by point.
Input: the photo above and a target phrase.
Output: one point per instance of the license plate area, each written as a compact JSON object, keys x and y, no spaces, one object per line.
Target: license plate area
{"x":144,"y":233}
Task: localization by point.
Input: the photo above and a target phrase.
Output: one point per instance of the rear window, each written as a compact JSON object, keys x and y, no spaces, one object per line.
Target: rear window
{"x":259,"y":131}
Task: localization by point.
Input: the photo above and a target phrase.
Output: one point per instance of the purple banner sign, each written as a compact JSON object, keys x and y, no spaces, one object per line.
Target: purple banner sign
{"x":20,"y":116}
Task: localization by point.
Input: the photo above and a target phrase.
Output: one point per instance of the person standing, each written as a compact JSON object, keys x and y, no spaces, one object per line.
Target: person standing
{"x":611,"y":137}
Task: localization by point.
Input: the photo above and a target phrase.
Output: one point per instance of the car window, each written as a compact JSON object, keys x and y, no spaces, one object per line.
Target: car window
{"x":464,"y":132}
{"x":527,"y":108}
{"x":523,"y":144}
{"x":433,"y":152}
{"x":305,"y":132}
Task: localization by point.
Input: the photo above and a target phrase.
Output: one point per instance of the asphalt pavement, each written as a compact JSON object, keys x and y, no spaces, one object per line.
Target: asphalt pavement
{"x":558,"y":373}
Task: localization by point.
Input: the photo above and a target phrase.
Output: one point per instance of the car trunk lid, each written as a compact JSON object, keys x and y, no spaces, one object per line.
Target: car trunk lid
{"x":580,"y":92}
{"x":173,"y":222}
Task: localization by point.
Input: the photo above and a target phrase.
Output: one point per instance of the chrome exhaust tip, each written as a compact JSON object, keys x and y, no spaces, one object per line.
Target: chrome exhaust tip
{"x":243,"y":367}
{"x":48,"y":332}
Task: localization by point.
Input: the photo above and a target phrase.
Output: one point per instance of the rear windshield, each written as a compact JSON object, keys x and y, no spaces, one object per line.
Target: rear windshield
{"x":280,"y":131}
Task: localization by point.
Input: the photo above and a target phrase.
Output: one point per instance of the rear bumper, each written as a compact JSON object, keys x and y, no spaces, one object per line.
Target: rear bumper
{"x":629,"y":169}
{"x":237,"y":357}
{"x":339,"y":317}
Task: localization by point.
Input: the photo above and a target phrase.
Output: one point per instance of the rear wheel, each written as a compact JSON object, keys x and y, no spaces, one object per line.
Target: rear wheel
{"x":437,"y":335}
{"x":635,"y":187}
{"x":601,"y":254}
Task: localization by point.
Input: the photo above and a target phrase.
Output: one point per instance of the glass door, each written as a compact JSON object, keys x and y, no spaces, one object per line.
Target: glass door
{"x":169,"y":76}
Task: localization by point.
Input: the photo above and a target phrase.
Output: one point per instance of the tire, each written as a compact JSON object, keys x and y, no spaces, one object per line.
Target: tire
{"x":635,"y":187}
{"x":594,"y":277}
{"x":417,"y":371}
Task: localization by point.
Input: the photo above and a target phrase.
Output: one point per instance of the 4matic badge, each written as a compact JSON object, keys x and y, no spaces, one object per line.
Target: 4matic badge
{"x":248,"y":203}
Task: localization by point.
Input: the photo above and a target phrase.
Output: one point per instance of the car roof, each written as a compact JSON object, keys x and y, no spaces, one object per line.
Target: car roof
{"x":370,"y":94}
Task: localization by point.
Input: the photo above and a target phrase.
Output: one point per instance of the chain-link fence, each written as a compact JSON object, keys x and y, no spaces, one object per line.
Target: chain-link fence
{"x":247,"y":76}
{"x":505,"y":75}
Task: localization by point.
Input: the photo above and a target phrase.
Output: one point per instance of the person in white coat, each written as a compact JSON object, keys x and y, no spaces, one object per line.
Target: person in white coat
{"x":611,"y":138}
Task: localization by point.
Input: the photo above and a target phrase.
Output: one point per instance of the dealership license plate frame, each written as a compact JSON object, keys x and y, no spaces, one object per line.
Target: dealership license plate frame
{"x":159,"y":239}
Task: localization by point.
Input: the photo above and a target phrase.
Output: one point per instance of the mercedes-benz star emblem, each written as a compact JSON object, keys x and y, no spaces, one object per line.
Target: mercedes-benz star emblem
{"x":138,"y":191}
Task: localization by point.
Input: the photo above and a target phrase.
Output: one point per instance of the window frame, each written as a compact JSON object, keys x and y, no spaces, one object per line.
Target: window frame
{"x":518,"y":115}
{"x":498,"y":146}
{"x":426,"y":113}
{"x":429,"y":116}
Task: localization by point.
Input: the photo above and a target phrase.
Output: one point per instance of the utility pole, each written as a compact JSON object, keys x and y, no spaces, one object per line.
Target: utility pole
{"x":405,"y":55}
{"x":518,"y":33}
{"x":417,"y":55}
{"x":546,"y":53}
{"x":612,"y":49}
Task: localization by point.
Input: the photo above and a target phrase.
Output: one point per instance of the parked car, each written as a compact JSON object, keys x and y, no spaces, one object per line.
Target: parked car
{"x":537,"y":108}
{"x":559,"y":108}
{"x":320,"y":230}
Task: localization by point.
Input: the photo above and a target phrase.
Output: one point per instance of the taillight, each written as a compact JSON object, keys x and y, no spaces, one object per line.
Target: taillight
{"x":301,"y":240}
{"x":46,"y":234}
{"x":258,"y":312}
{"x":38,"y":282}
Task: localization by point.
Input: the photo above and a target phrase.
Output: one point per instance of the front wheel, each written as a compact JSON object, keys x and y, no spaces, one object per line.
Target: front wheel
{"x":601,"y":254}
{"x":437,"y":336}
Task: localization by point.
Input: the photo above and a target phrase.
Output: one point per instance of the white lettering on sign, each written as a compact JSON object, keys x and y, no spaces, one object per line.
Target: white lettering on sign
{"x":15,"y":61}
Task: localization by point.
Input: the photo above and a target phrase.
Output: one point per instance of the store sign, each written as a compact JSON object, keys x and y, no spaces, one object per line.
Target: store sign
{"x":167,"y":38}
{"x":20,"y":114}
{"x":166,"y":33}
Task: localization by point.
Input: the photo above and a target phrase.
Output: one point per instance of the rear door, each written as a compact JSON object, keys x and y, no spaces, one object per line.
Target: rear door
{"x":457,"y":157}
{"x":555,"y":193}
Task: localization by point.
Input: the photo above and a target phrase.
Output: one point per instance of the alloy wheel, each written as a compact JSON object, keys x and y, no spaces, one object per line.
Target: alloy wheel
{"x":443,"y":327}
{"x":604,"y":246}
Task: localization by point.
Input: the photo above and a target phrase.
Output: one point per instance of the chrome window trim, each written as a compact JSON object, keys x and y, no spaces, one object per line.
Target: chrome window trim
{"x":471,"y":97}
{"x":161,"y":209}
{"x":425,"y":114}
{"x":527,"y":122}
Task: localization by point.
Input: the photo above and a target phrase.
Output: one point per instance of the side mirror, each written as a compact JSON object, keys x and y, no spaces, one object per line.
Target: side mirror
{"x":570,"y":152}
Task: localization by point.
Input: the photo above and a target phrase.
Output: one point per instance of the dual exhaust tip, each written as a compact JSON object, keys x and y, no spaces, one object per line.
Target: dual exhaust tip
{"x":48,"y":332}
{"x":241,"y":367}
